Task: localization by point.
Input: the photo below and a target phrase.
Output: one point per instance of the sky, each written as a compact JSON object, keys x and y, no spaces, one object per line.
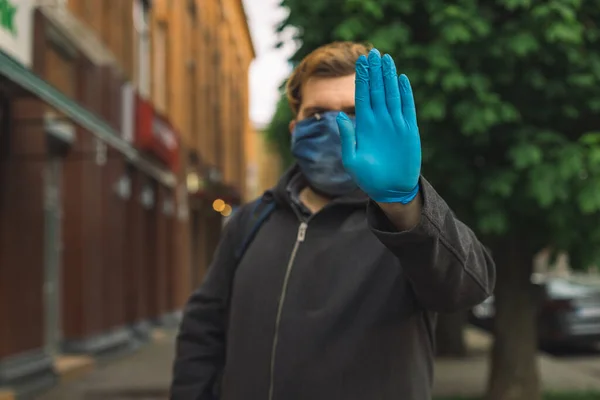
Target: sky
{"x":270,"y":67}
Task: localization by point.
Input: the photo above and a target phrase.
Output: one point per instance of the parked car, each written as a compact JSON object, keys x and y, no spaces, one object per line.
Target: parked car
{"x":569,"y":312}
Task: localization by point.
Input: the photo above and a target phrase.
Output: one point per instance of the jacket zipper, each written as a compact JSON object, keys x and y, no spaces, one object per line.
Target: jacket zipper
{"x":288,"y":271}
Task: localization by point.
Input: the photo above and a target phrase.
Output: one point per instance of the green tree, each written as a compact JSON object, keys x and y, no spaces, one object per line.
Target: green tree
{"x":278,"y":131}
{"x":508,"y":100}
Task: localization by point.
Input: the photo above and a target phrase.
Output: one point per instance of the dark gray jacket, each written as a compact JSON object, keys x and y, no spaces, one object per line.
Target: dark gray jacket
{"x":344,"y":310}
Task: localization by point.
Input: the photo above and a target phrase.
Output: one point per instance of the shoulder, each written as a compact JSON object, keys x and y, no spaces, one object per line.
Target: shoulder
{"x":251,"y":209}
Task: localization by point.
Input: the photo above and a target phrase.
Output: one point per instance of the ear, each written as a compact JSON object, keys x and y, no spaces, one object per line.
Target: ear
{"x":292,"y":126}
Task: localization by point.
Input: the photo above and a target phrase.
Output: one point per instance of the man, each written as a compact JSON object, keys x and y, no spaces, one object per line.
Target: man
{"x":336,"y":296}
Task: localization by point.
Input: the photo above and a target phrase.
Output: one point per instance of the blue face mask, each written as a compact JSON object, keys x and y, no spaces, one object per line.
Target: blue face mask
{"x":317,"y":146}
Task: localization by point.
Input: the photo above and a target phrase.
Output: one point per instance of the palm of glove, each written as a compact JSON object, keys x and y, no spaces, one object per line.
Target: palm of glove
{"x":383,"y":152}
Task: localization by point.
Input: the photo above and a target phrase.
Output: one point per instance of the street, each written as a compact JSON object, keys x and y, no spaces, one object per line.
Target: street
{"x":585,"y":358}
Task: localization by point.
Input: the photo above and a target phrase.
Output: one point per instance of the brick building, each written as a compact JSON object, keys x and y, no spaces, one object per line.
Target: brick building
{"x":121,"y":123}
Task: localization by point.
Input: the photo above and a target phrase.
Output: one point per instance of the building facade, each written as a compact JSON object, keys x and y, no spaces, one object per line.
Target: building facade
{"x":263,"y":163}
{"x":122,"y":124}
{"x":206,"y":49}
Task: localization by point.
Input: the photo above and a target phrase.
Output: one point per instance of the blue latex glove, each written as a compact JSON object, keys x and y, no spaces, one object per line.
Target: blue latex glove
{"x":383,"y":153}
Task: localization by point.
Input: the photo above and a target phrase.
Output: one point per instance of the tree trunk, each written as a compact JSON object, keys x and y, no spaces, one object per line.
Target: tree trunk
{"x":450,"y":341}
{"x":514,"y":372}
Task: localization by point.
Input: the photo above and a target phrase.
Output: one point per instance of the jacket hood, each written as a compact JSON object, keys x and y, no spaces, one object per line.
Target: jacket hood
{"x":356,"y":198}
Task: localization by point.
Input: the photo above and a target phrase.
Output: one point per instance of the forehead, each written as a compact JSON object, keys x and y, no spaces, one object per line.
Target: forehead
{"x":329,"y":93}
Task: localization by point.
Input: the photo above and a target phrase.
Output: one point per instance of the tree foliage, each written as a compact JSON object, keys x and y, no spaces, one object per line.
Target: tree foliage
{"x":508,"y":101}
{"x":278,"y":132}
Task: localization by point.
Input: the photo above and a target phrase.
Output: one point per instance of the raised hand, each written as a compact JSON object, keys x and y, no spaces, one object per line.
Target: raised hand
{"x":383,"y":152}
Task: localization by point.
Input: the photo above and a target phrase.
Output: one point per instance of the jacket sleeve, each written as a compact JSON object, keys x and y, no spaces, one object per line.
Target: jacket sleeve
{"x":200,"y":345}
{"x":448,"y":268}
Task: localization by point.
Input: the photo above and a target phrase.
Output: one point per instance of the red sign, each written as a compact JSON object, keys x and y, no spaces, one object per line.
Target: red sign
{"x":155,"y":134}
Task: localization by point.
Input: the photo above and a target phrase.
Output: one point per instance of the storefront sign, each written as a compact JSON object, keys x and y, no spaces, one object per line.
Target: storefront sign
{"x":16,"y":29}
{"x":155,"y":134}
{"x":163,"y":133}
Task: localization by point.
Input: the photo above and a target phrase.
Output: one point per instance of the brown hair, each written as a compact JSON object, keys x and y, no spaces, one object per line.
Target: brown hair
{"x":331,"y":60}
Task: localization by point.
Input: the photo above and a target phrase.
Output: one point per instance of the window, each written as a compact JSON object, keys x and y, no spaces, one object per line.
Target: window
{"x":142,"y":43}
{"x":60,"y":69}
{"x":192,"y":84}
{"x":193,"y":129}
{"x":160,"y":55}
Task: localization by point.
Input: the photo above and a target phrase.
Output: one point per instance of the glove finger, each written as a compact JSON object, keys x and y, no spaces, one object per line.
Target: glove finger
{"x":348,"y":137}
{"x":409,"y":112}
{"x":376,"y":82}
{"x":392,"y":90}
{"x":362,"y":97}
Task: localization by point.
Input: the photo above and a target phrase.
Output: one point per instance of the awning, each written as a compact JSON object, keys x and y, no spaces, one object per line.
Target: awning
{"x":32,"y":83}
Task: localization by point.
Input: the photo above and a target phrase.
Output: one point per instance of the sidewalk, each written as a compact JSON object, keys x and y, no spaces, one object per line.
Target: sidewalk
{"x":146,"y":374}
{"x":143,"y":375}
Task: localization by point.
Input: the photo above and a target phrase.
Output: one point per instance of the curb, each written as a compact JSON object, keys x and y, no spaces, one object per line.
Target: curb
{"x":70,"y":368}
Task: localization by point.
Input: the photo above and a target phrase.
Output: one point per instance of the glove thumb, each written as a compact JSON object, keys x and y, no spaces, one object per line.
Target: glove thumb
{"x":348,"y":136}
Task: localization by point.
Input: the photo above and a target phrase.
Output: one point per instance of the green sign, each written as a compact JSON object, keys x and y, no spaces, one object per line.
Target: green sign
{"x":8,"y":11}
